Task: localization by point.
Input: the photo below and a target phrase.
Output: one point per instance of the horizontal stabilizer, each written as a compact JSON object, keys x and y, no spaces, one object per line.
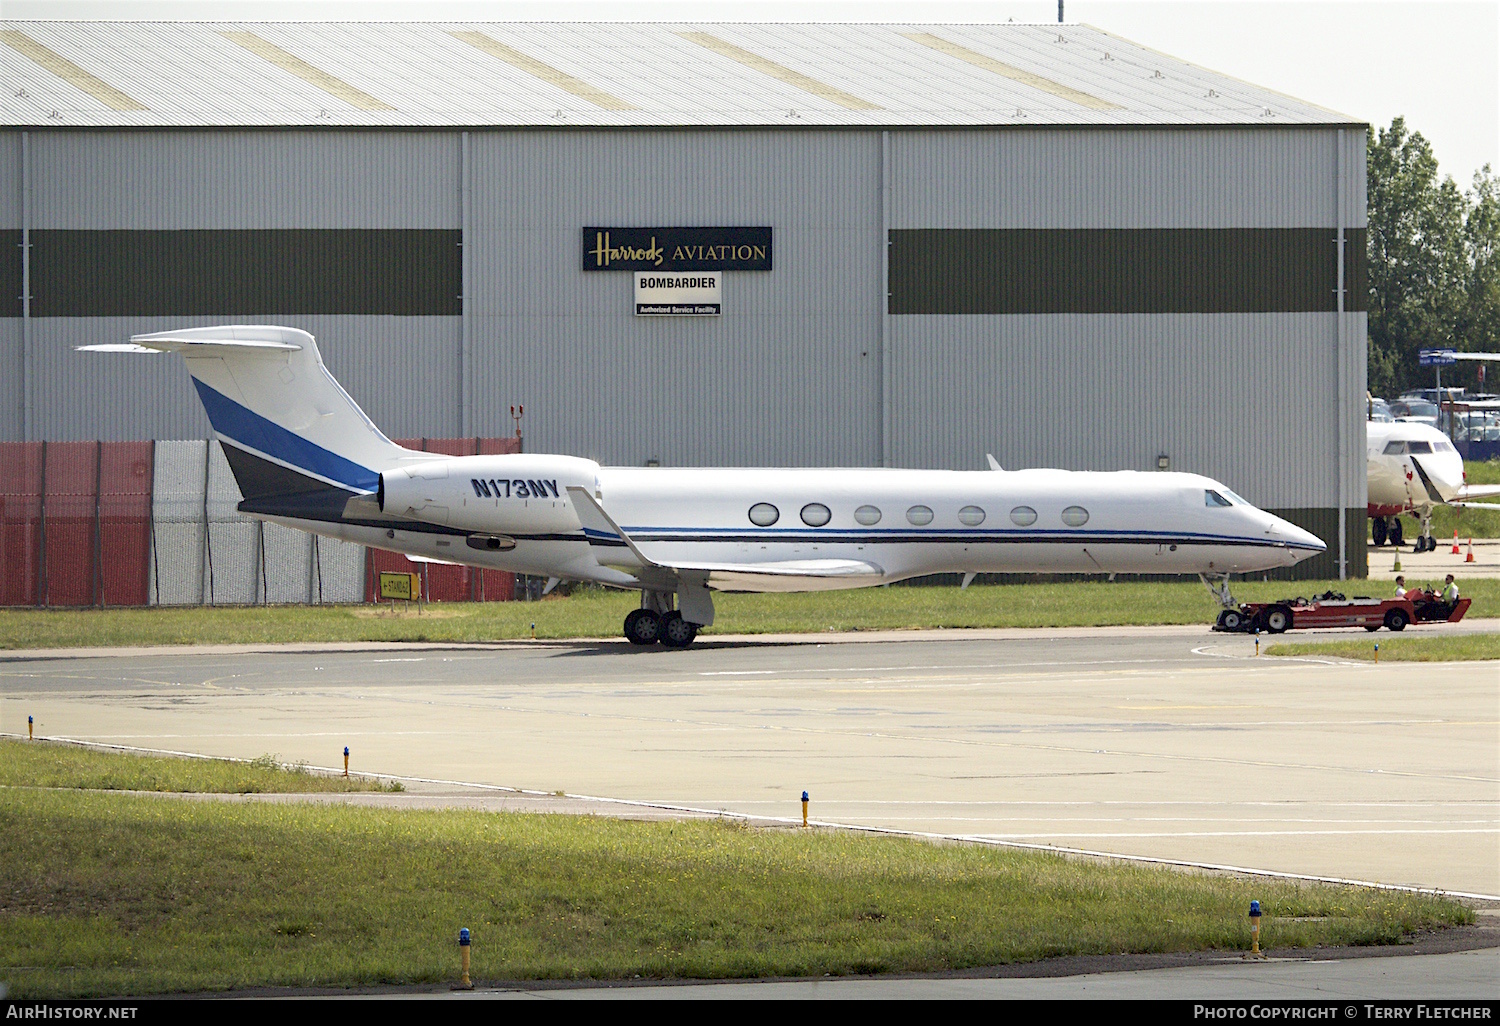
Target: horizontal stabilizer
{"x":118,"y":347}
{"x":247,"y":339}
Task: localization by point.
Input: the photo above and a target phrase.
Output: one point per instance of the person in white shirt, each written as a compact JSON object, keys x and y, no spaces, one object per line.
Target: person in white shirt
{"x":1400,"y":587}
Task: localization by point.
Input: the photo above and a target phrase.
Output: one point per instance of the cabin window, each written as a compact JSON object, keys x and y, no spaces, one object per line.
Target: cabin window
{"x":971,"y":516}
{"x":1075,"y":516}
{"x":1418,"y":447}
{"x":920,"y":516}
{"x":1023,"y":516}
{"x":1213,"y":498}
{"x":763,"y":514}
{"x":1395,"y":448}
{"x":815,"y":514}
{"x":868,"y":515}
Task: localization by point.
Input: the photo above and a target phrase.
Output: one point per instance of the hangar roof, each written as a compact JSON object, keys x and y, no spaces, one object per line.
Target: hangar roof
{"x":324,"y":74}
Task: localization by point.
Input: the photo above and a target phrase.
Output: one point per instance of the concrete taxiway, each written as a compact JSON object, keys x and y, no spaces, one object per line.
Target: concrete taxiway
{"x":1449,"y":978}
{"x":1166,"y":743}
{"x":1432,"y":566}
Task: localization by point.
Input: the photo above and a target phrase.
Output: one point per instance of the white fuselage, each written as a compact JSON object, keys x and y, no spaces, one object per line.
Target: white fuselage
{"x":1411,"y":468}
{"x":906,"y":523}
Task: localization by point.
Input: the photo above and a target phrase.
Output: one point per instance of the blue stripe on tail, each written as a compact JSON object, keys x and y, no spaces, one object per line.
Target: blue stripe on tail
{"x":231,"y":420}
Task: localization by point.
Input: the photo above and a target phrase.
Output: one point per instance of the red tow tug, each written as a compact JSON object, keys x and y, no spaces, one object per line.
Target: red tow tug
{"x":1332,"y":609}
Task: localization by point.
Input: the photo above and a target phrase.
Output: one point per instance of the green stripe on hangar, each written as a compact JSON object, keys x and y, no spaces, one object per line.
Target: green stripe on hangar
{"x":398,"y":271}
{"x":1123,"y":271}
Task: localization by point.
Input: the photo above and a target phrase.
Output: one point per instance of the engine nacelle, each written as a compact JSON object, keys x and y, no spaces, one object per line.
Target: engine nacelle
{"x":494,"y":495}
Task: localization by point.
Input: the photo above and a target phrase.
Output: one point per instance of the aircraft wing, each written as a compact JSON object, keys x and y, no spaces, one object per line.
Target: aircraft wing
{"x":1469,"y":492}
{"x":789,"y":575}
{"x":786,"y":575}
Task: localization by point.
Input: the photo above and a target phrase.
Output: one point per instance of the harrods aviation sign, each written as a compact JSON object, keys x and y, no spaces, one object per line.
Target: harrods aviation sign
{"x":677,"y":249}
{"x":669,"y":294}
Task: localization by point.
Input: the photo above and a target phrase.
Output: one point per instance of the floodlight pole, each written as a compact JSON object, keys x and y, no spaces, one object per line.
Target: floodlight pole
{"x":1059,"y":11}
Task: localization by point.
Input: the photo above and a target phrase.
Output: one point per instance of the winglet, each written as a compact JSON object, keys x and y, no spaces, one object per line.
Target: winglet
{"x":994,"y":463}
{"x":597,"y":522}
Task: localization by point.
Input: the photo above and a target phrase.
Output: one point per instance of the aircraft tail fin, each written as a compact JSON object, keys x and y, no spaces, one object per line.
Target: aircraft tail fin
{"x":286,"y":425}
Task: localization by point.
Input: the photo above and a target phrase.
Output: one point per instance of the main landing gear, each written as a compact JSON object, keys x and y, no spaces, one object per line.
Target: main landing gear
{"x":1385,"y":530}
{"x":656,"y":621}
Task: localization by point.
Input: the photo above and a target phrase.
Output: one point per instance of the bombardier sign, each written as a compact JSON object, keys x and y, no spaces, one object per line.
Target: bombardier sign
{"x":679,"y":295}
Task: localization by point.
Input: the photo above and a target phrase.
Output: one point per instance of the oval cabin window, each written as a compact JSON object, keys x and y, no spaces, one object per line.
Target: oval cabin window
{"x":867,"y":515}
{"x":763,"y":514}
{"x":971,"y":516}
{"x":1023,"y":516}
{"x":815,"y":514}
{"x":919,"y":515}
{"x":1075,"y":516}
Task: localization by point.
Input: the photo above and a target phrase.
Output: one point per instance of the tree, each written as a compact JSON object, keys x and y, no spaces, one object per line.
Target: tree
{"x":1479,"y":326}
{"x":1419,"y":272}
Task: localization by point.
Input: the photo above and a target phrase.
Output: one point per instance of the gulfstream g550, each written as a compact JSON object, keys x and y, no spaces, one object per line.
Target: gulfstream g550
{"x":306,"y":456}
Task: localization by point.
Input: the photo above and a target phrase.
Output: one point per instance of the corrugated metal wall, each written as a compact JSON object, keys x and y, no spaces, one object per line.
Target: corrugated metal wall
{"x":244,"y":179}
{"x":791,"y":374}
{"x":1144,"y":178}
{"x":402,"y":370}
{"x":788,"y":375}
{"x":241,"y":561}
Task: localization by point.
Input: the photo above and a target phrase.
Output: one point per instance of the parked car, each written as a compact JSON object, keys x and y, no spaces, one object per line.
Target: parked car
{"x":1417,"y":410}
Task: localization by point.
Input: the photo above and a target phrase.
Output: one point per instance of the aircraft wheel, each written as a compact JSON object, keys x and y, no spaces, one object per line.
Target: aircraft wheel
{"x":642,"y":627}
{"x":1278,"y":619}
{"x":1377,"y":531}
{"x":1231,"y":619}
{"x":1394,"y":533}
{"x":677,"y":632}
{"x":1396,"y":620}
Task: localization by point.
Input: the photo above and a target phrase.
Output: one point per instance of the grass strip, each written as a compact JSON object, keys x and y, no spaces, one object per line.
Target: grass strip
{"x":597,"y":612}
{"x":58,"y":764}
{"x":121,"y":894}
{"x":1455,"y":649}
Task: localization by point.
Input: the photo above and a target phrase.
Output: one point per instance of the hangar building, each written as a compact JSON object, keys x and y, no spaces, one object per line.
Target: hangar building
{"x":1039,"y":241}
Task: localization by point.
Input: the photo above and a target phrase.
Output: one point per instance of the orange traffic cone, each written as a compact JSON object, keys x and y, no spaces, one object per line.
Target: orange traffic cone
{"x":1470,"y":557}
{"x":1455,"y":541}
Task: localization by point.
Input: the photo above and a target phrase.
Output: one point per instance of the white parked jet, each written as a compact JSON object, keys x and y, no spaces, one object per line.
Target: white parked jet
{"x":1413,"y":468}
{"x":306,"y":456}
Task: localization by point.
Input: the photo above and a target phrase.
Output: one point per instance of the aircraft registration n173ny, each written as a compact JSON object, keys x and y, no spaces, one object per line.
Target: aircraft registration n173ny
{"x":305,"y":455}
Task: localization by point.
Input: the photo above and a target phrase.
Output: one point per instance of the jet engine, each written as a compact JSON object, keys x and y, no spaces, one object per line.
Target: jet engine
{"x":496,"y":496}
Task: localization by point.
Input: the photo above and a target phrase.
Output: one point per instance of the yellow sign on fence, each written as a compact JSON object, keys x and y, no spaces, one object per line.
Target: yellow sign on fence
{"x":400,"y":586}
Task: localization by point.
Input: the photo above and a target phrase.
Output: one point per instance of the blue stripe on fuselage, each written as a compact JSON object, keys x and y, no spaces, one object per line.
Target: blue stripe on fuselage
{"x":231,"y":420}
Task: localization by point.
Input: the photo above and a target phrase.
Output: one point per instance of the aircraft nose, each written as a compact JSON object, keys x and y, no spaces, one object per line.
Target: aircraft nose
{"x":1300,"y":544}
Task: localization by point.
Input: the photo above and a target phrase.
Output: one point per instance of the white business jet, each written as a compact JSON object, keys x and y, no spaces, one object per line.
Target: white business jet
{"x":1413,"y":469}
{"x":305,"y":455}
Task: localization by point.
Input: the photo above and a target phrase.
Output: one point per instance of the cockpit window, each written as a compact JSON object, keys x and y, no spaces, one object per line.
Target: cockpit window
{"x":1213,"y":498}
{"x":1418,"y":447}
{"x":1442,"y":447}
{"x":1395,"y":448}
{"x":1236,"y":499}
